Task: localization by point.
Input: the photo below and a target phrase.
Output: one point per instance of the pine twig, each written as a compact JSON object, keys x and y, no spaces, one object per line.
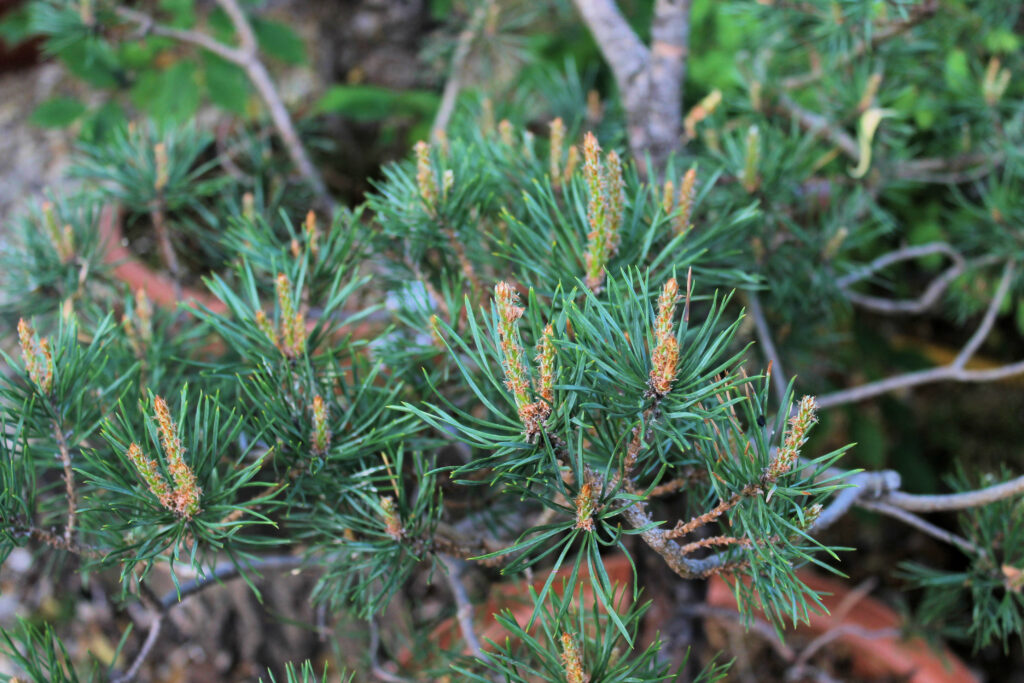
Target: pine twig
{"x":69,"y":482}
{"x":910,"y":519}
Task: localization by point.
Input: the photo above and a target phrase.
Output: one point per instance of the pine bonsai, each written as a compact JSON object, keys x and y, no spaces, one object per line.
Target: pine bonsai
{"x":541,"y":342}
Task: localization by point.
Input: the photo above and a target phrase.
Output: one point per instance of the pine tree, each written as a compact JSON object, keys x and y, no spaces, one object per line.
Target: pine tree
{"x":525,"y":352}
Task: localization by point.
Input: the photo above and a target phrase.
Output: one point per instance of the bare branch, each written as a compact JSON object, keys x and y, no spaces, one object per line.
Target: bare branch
{"x":862,"y":484}
{"x":988,"y":320}
{"x":910,"y":519}
{"x":764,"y":334}
{"x":913,"y":379}
{"x":148,"y":26}
{"x":955,"y":371}
{"x":898,"y":256}
{"x":143,"y":654}
{"x":454,"y":83}
{"x":221,"y":573}
{"x":955,"y":501}
{"x":463,"y":606}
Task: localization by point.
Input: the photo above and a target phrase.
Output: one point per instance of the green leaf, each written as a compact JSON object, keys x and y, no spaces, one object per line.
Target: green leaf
{"x":99,"y":124}
{"x":957,"y":72}
{"x":92,"y":61}
{"x":373,"y":103}
{"x":279,"y":41}
{"x":182,"y":12}
{"x":57,"y":112}
{"x":168,"y":95}
{"x":226,"y":83}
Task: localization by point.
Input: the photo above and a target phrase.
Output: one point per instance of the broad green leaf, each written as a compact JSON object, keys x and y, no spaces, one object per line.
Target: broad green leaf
{"x":226,"y":84}
{"x":280,"y":41}
{"x":57,"y":112}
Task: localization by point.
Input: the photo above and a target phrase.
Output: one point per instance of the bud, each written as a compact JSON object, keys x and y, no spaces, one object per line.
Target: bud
{"x":546,"y":364}
{"x":425,"y":180}
{"x":186,"y":492}
{"x":321,"y":430}
{"x":392,"y":518}
{"x":586,"y":503}
{"x":248,"y":206}
{"x":312,"y":234}
{"x":506,"y":132}
{"x":160,"y":161}
{"x":150,"y":473}
{"x":668,"y":199}
{"x":266,"y":328}
{"x":292,"y":324}
{"x":37,"y":357}
{"x":509,"y":312}
{"x":751,"y":161}
{"x":681,"y":223}
{"x":555,"y":156}
{"x":572,"y":661}
{"x":799,"y":426}
{"x":571,"y":163}
{"x":665,"y":355}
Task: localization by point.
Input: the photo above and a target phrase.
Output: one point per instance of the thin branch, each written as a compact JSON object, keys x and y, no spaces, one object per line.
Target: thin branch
{"x":943,"y":170}
{"x":221,"y":573}
{"x":148,"y":26}
{"x":771,"y":354}
{"x":454,"y":83}
{"x":955,"y":501}
{"x":69,"y":482}
{"x":862,"y":484}
{"x":898,"y":256}
{"x":954,"y":371}
{"x":910,"y":519}
{"x":979,"y":336}
{"x":376,"y":670}
{"x":143,"y":654}
{"x":463,"y":606}
{"x":819,"y":125}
